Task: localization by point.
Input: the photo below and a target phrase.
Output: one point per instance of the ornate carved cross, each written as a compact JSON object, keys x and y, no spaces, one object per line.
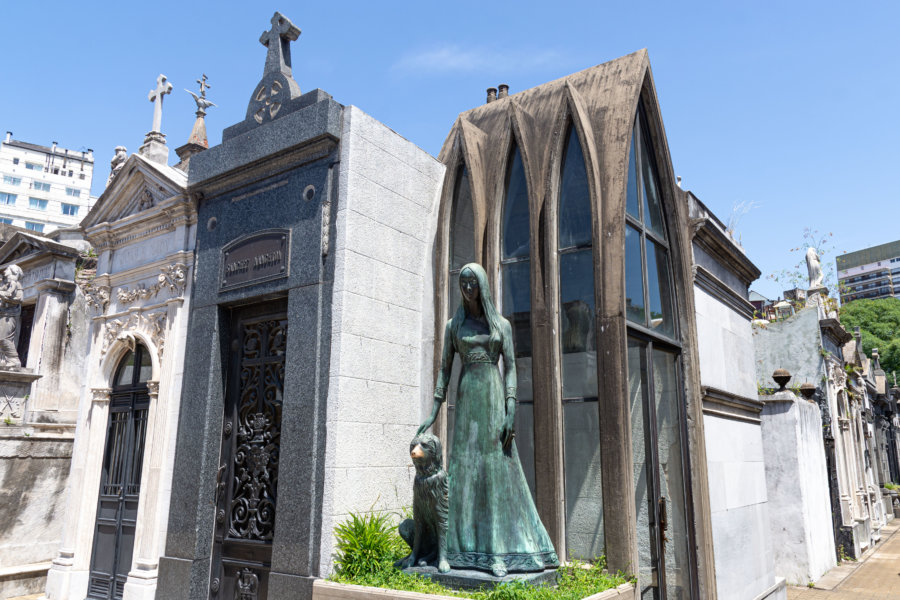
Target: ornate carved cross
{"x":203,"y":86}
{"x":278,"y":41}
{"x":163,"y":87}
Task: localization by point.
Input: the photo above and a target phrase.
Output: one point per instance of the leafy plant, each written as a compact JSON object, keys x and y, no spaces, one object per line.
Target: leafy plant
{"x":879,"y":323}
{"x":367,"y":544}
{"x":8,"y":421}
{"x":891,"y":486}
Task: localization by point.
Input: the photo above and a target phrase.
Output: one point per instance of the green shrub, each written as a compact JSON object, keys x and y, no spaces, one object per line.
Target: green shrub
{"x":367,"y":544}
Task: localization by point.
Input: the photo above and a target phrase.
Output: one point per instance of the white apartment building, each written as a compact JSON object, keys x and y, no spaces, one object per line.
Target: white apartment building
{"x":43,"y":188}
{"x":870,"y":273}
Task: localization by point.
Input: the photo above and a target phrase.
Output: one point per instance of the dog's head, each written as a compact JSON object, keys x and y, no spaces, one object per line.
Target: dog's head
{"x":425,"y":451}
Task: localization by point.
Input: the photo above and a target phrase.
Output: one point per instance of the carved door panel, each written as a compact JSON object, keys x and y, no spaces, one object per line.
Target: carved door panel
{"x":120,"y":480}
{"x":247,"y":486}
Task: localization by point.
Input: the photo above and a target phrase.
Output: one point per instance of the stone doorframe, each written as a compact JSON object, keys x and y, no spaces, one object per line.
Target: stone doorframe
{"x":69,"y":573}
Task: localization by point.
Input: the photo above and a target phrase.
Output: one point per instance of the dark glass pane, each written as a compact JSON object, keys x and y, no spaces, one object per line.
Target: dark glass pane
{"x":126,"y":370}
{"x":462,"y":225}
{"x":146,"y":366}
{"x":525,"y":441}
{"x":574,"y":197}
{"x":453,"y":293}
{"x":515,"y":281}
{"x":631,"y":203}
{"x":576,"y":314}
{"x":634,"y":278}
{"x":515,"y":233}
{"x":652,"y":210}
{"x":644,"y":494}
{"x":671,"y":473}
{"x":660,"y":289}
{"x":584,"y":489}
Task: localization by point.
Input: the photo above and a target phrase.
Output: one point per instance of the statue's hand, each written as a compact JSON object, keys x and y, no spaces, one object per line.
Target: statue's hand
{"x":425,"y":427}
{"x":508,"y":431}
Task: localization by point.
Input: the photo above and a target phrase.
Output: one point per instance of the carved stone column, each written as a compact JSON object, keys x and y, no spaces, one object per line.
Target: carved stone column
{"x":141,"y":583}
{"x":50,"y":402}
{"x":84,"y":482}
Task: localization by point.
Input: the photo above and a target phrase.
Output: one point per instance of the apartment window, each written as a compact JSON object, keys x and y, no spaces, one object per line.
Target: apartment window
{"x":70,"y":209}
{"x":37,"y":204}
{"x":9,"y":179}
{"x":40,"y":186}
{"x":31,"y":226}
{"x":73,"y":192}
{"x":7,"y":198}
{"x":70,"y":172}
{"x":6,"y":221}
{"x":56,"y":171}
{"x":81,"y":176}
{"x":34,"y":167}
{"x":15,"y":161}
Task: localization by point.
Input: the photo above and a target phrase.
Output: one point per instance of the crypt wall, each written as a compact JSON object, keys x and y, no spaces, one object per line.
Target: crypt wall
{"x":143,"y":230}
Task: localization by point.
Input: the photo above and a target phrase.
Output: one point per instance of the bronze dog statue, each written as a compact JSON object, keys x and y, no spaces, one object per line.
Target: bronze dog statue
{"x":426,"y":532}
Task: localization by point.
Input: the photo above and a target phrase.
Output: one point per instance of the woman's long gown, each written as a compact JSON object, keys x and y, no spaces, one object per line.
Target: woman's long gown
{"x":492,"y":515}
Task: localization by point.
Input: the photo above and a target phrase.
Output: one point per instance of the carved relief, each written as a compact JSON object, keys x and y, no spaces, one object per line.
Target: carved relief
{"x":172,"y":278}
{"x":100,"y":394}
{"x":255,"y":482}
{"x":153,"y":325}
{"x":97,"y":296}
{"x":247,"y":585}
{"x":146,"y":200}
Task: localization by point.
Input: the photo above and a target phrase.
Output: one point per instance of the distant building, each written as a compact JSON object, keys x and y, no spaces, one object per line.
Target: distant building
{"x":41,"y":188}
{"x":870,"y":273}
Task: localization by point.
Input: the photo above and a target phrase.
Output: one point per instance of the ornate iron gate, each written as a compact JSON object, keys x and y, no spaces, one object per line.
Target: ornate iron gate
{"x":246,"y":491}
{"x":120,"y":481}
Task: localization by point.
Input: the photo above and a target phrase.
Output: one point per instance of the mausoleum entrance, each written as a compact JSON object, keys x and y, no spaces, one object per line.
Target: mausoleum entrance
{"x":247,"y":489}
{"x":120,"y":479}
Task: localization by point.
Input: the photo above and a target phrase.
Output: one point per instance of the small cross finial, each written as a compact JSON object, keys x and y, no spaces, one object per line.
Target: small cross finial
{"x":203,"y":86}
{"x":278,"y":41}
{"x":163,"y":87}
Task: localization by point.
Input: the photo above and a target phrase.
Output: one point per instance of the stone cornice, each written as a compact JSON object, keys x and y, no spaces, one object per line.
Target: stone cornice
{"x":833,"y":329}
{"x":711,"y":284}
{"x":721,"y":403}
{"x":718,"y":245}
{"x":170,"y":214}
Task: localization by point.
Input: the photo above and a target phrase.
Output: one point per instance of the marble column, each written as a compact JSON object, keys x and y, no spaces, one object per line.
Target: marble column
{"x":45,"y":354}
{"x":68,"y":574}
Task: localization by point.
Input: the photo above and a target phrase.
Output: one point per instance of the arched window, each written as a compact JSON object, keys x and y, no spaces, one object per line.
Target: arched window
{"x":577,"y":341}
{"x":515,"y":286}
{"x":655,"y":389}
{"x":462,"y":252}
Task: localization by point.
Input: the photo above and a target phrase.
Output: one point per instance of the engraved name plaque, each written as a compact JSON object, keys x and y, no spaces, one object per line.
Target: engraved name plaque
{"x":254,"y":258}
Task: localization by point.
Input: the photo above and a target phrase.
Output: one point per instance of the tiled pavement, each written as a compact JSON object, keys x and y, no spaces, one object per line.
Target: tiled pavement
{"x":876,"y":577}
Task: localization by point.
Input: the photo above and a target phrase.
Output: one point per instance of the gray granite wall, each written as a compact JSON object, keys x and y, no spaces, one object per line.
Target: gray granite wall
{"x":791,"y":344}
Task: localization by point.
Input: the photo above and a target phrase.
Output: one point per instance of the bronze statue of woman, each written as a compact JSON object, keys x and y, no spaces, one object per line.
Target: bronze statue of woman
{"x":493,"y":524}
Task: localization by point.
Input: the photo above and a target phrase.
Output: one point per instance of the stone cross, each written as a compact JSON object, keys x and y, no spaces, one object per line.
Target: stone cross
{"x":163,"y":87}
{"x":203,"y":86}
{"x":278,"y":41}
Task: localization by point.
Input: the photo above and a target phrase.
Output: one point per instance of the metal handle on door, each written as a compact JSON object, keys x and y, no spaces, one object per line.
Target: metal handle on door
{"x":663,"y":518}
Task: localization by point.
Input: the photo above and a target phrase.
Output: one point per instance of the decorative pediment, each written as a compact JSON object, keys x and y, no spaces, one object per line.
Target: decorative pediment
{"x":22,"y":245}
{"x":139,"y":186}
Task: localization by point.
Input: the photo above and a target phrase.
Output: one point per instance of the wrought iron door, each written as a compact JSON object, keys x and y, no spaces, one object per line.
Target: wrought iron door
{"x":246,"y":491}
{"x":120,"y":481}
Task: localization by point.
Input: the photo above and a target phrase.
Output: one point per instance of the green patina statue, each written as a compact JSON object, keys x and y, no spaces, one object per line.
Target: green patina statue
{"x":493,"y":524}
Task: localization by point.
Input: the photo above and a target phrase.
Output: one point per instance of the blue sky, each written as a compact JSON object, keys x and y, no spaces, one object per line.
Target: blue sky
{"x":787,"y":107}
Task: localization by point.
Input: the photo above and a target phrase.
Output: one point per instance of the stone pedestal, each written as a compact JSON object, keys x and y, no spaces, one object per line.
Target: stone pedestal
{"x":154,"y":148}
{"x":15,"y":389}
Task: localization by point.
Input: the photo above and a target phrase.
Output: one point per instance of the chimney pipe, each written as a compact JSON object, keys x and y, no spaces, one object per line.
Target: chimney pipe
{"x":503,"y":90}
{"x":491,"y":94}
{"x":8,"y":136}
{"x":54,"y":147}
